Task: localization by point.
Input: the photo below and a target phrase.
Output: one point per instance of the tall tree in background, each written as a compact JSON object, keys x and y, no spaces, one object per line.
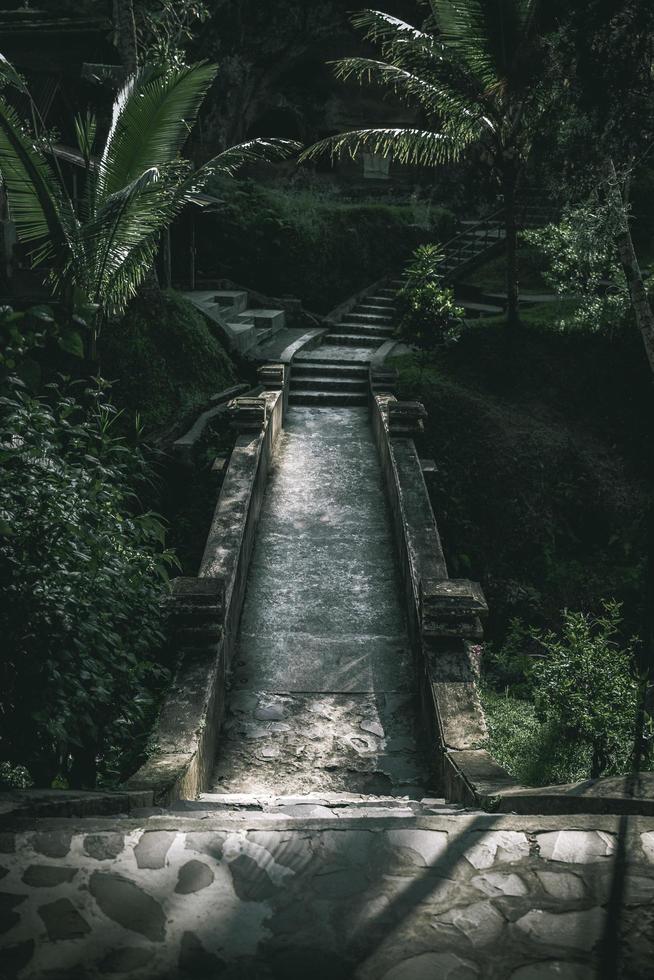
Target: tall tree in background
{"x":475,"y":74}
{"x":125,"y":34}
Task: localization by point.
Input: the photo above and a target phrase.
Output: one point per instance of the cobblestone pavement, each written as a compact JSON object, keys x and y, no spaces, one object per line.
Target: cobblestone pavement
{"x":323,"y":694}
{"x":394,"y":898}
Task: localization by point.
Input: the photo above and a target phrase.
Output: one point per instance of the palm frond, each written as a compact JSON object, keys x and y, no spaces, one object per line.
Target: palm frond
{"x":125,"y":225}
{"x":39,"y":207}
{"x":418,"y":147}
{"x":394,"y":34}
{"x":153,"y":115}
{"x":455,"y":108}
{"x":235,"y":157}
{"x":489,"y":36}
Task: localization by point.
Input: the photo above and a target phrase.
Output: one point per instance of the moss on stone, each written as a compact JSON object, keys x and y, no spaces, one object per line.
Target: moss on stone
{"x":165,"y":360}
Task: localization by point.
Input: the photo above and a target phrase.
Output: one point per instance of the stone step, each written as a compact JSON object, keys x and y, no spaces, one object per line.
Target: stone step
{"x":357,"y":340}
{"x":342,"y":398}
{"x":316,"y":806}
{"x":330,"y":368}
{"x":273,"y":319}
{"x":379,"y":329}
{"x":375,"y":319}
{"x":386,"y":292}
{"x":381,"y":300}
{"x":374,"y":309}
{"x":234,"y":300}
{"x":304,"y":383}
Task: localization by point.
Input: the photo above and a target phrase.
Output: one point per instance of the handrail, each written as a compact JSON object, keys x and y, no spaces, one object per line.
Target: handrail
{"x":454,"y":247}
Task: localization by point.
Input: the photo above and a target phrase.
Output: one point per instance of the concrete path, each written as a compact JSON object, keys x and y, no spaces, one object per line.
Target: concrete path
{"x":323,"y":686}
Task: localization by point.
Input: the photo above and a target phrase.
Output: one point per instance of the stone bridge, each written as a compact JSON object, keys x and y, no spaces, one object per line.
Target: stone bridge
{"x":320,"y":801}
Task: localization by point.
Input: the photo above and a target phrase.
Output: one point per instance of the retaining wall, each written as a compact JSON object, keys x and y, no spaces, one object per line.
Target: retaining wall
{"x":190,"y":719}
{"x":444,"y":623}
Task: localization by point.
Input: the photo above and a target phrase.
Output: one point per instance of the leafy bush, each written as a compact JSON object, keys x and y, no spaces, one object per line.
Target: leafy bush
{"x":581,"y":256}
{"x":531,"y":750}
{"x":586,"y":686}
{"x":570,"y":706}
{"x":309,"y":244}
{"x":427,"y":314}
{"x":165,"y":358}
{"x":82,"y":573}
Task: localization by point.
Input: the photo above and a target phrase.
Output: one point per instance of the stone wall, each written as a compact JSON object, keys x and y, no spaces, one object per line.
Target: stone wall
{"x":302,"y":893}
{"x":444,"y":615}
{"x":189,"y":723}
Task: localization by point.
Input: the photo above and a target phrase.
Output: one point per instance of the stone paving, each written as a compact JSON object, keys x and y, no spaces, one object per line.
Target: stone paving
{"x":323,"y":686}
{"x":336,"y":352}
{"x":419,"y":898}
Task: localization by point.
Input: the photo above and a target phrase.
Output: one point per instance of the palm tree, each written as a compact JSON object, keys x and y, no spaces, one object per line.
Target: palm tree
{"x":101,"y":248}
{"x":474,"y":75}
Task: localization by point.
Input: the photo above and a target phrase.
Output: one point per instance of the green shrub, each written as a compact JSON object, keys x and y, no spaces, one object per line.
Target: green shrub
{"x":585,"y":686}
{"x":581,"y":257}
{"x":427,"y":314}
{"x":165,"y":358}
{"x":307,"y":244}
{"x":82,"y":574}
{"x":533,"y":751}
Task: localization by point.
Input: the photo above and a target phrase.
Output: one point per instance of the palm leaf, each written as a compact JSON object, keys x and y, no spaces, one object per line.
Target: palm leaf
{"x":232,"y":159}
{"x":153,"y":115}
{"x":457,"y":110}
{"x":40,"y":209}
{"x":418,"y":147}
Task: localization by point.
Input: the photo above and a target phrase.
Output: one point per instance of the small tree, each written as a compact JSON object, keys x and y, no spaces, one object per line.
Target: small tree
{"x":582,"y":258}
{"x":474,"y":73}
{"x":428,"y":315}
{"x":101,"y":247}
{"x":586,"y":684}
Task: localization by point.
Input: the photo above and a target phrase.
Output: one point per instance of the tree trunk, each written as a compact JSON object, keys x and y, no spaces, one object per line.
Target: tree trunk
{"x":125,"y":34}
{"x":508,"y":190}
{"x":637,"y":292}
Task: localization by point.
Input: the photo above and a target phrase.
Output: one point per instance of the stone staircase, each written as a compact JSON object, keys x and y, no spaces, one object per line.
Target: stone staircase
{"x":336,"y":373}
{"x":244,"y":327}
{"x":321,"y":382}
{"x":368,"y":324}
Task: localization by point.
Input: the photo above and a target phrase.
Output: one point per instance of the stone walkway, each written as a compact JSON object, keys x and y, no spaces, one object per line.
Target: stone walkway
{"x":202,"y":897}
{"x":323,"y":695}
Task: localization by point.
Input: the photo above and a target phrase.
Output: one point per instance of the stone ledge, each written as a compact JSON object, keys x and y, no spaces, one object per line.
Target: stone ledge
{"x":58,"y":803}
{"x":190,"y":718}
{"x":445,"y":614}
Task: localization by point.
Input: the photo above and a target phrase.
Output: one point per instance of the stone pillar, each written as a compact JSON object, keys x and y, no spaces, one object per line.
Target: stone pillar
{"x":406,"y":419}
{"x":383,"y":380}
{"x":247,"y":414}
{"x":275,"y":377}
{"x":452,"y":608}
{"x":197,"y":614}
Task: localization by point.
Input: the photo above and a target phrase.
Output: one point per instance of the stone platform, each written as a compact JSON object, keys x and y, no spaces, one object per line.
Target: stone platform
{"x":264,"y":896}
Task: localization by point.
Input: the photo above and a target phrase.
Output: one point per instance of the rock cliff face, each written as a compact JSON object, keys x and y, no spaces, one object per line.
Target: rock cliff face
{"x":274,"y":74}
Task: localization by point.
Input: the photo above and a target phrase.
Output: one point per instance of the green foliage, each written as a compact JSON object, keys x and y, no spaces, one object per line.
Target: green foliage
{"x":309,"y":244}
{"x":165,"y":27}
{"x":581,"y":258}
{"x":427,"y":313}
{"x":543,"y":455}
{"x":102,"y":251}
{"x":165,"y":358}
{"x":474,"y":78}
{"x":82,"y":574}
{"x":586,"y":686}
{"x":531,"y":750}
{"x":23,"y":333}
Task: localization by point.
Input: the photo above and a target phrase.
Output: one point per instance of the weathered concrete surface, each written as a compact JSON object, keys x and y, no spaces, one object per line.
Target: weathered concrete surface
{"x":397,"y":898}
{"x":323,"y":643}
